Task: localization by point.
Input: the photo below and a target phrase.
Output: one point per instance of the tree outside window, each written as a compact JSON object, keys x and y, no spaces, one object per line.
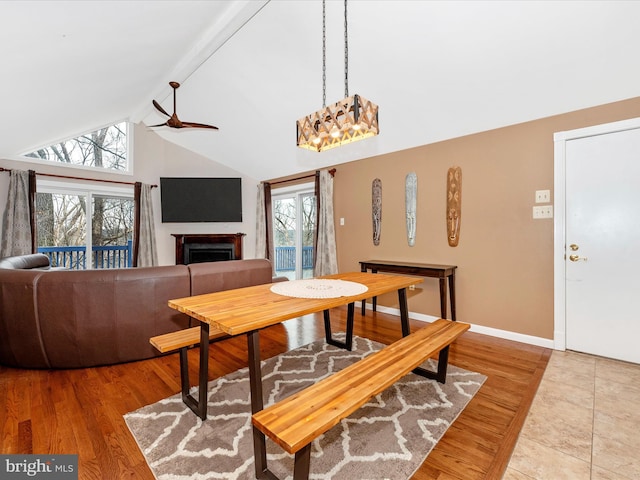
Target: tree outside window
{"x":106,"y":148}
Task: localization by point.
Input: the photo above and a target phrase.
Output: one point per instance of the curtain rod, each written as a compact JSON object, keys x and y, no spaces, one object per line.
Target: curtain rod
{"x":332,"y":172}
{"x":2,"y":169}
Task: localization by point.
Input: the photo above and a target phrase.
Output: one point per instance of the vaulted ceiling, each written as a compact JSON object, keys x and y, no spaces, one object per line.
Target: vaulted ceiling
{"x":438,"y":70}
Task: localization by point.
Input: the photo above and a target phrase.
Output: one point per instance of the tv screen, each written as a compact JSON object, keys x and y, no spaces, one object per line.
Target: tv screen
{"x":186,"y":199}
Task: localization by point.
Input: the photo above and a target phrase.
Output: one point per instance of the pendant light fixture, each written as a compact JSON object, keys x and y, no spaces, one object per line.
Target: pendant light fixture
{"x":349,"y":120}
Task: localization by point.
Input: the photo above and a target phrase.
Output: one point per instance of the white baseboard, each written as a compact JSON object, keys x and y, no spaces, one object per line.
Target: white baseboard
{"x":494,"y":332}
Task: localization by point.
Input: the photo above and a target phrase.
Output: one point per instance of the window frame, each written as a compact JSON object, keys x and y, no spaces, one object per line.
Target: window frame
{"x":296,"y":192}
{"x":89,"y":190}
{"x":130,"y":157}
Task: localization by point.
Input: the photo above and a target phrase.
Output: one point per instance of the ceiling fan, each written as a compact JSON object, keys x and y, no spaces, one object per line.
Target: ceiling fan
{"x":174,"y":121}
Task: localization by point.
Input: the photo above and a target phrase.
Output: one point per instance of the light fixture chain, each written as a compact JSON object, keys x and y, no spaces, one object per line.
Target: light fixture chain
{"x":349,"y":120}
{"x":324,"y":56}
{"x":346,"y":54}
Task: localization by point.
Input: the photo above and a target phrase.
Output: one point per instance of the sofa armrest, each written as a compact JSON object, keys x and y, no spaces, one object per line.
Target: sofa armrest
{"x":26,"y":262}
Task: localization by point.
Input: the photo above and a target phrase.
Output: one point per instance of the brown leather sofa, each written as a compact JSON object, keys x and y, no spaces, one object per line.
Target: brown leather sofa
{"x":82,"y":318}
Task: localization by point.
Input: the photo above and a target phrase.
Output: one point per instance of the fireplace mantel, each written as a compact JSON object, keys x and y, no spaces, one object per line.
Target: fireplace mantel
{"x":183,"y":241}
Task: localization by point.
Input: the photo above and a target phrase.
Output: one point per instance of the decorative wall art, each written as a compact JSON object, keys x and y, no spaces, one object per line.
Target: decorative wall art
{"x":454,"y":205}
{"x":376,"y":209}
{"x":410,"y":195}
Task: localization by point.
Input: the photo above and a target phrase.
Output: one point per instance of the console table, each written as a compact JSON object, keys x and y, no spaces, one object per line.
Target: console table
{"x":441,"y":272}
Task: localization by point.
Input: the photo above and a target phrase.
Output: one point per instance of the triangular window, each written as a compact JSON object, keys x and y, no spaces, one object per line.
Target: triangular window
{"x":105,"y":148}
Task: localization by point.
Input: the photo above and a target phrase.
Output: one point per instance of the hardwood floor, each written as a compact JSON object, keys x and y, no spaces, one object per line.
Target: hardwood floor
{"x":80,"y":411}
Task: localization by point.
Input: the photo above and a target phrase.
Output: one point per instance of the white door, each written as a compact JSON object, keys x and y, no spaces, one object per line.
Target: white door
{"x":602,"y":244}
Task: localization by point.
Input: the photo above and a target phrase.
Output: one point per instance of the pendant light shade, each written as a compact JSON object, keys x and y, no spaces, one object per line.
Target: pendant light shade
{"x":354,"y":118}
{"x":349,"y":120}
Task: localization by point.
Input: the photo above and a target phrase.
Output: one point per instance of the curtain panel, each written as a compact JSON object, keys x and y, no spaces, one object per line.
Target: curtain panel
{"x":326,"y":262}
{"x":145,"y":253}
{"x":264,"y":223}
{"x":18,"y":223}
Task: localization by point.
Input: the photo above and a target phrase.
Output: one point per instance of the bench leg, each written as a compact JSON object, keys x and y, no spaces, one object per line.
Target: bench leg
{"x":198,"y":407}
{"x":348,"y":343}
{"x":441,"y":374}
{"x":302,"y":463}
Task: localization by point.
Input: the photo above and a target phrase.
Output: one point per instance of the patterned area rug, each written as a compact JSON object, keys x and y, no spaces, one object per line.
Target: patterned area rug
{"x":388,"y":438}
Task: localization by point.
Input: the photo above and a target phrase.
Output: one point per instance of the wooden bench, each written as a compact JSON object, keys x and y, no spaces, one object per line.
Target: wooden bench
{"x":293,"y":423}
{"x":182,"y":340}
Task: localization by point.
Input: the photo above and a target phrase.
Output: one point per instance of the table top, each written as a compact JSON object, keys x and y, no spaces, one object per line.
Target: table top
{"x":251,"y":308}
{"x":391,"y":263}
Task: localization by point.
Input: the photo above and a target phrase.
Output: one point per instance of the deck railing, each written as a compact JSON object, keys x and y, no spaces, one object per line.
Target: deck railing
{"x":286,"y":258}
{"x":74,"y":257}
{"x":120,"y":256}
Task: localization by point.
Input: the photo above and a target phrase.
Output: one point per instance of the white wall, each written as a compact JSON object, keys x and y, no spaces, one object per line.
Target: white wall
{"x":155,"y":158}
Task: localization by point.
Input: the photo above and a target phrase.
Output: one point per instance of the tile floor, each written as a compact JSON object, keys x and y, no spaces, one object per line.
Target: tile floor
{"x":584,"y":422}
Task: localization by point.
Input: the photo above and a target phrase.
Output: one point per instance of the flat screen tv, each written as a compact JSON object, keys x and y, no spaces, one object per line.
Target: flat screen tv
{"x":185,"y":199}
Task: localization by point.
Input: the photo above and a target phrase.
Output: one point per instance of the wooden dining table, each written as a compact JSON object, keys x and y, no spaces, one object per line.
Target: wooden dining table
{"x":250,"y":309}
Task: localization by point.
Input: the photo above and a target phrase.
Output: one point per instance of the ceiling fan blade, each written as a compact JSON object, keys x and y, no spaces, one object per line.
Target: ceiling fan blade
{"x":198,"y":125}
{"x":159,"y":125}
{"x":159,"y":107}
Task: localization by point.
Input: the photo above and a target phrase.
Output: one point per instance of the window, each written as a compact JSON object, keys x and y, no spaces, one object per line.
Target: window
{"x":294,"y":220}
{"x":106,"y":148}
{"x":81,"y":227}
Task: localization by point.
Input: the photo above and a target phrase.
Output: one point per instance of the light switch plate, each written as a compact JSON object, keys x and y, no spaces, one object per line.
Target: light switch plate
{"x":543,"y":196}
{"x":544,"y":211}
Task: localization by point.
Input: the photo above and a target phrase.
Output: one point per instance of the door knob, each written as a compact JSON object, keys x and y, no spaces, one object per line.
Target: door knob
{"x":577,"y":258}
{"x":574,"y":247}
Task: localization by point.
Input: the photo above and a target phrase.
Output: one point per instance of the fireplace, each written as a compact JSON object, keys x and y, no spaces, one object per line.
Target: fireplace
{"x":204,"y":252}
{"x":218,"y":247}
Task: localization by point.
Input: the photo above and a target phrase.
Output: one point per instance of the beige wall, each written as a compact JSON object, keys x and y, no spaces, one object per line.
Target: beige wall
{"x":505,"y":257}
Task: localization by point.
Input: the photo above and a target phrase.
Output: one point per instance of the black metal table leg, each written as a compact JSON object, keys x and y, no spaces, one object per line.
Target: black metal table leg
{"x":257,"y":402}
{"x":348,"y":343}
{"x":443,"y":358}
{"x":404,"y":312}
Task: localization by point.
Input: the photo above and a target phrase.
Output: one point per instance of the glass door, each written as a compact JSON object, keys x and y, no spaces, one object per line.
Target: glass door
{"x":82,"y":228}
{"x":294,"y":219}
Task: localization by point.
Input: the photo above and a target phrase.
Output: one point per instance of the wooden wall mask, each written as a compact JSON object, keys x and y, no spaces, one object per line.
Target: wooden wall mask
{"x":376,"y":209}
{"x":454,"y":205}
{"x":411,"y":194}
